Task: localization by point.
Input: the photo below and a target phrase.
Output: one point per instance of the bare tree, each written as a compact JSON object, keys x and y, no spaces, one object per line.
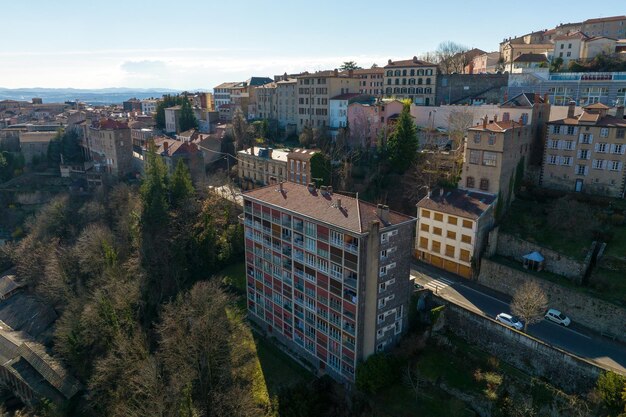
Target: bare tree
{"x":240,"y":129}
{"x":450,"y":57}
{"x":413,"y":379}
{"x":529,"y":303}
{"x":458,"y":122}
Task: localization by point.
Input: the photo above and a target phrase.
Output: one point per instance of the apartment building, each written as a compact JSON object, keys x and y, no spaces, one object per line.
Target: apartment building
{"x":327,"y":275}
{"x":411,"y":79}
{"x":149,"y":106}
{"x":452,"y":229}
{"x":221,"y":94}
{"x":339,"y":109}
{"x":109,"y":146}
{"x":612,"y":27}
{"x":579,"y":46}
{"x":370,"y":122}
{"x":586,"y":152}
{"x":314,"y":93}
{"x":493,"y":150}
{"x":299,"y":165}
{"x":265,"y":101}
{"x":370,"y":81}
{"x":34,"y":145}
{"x":261,"y":166}
{"x":286,"y":104}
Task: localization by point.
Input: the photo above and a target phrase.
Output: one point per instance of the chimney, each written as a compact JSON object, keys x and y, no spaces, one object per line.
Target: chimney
{"x":428,"y":192}
{"x":336,"y":72}
{"x":415,"y":59}
{"x":485,"y":121}
{"x":379,"y":210}
{"x":280,"y":186}
{"x":385,"y":214}
{"x":570,"y":109}
{"x":269,"y":153}
{"x":165,"y":146}
{"x":441,"y":192}
{"x":495,"y":118}
{"x":521,"y":120}
{"x":506,"y":116}
{"x":339,"y":203}
{"x":619,"y":111}
{"x":545,"y":98}
{"x":311,"y":187}
{"x":350,"y":73}
{"x":389,"y":62}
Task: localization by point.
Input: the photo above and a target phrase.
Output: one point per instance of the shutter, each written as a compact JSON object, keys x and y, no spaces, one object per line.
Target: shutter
{"x":619,"y":166}
{"x":596,"y":147}
{"x":612,"y":148}
{"x":575,"y":131}
{"x":604,"y":164}
{"x":552,"y":129}
{"x":580,"y":138}
{"x":623,"y":149}
{"x":594,"y":163}
{"x":590,"y":138}
{"x":586,"y":169}
{"x":578,"y":154}
{"x":560,"y":144}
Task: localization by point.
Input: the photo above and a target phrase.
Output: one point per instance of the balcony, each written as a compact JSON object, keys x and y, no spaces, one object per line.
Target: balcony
{"x":348,"y":328}
{"x":351,"y":248}
{"x":350,"y":282}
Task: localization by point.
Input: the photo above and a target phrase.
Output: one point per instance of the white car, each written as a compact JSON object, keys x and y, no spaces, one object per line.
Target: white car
{"x":558,"y":317}
{"x":509,"y":320}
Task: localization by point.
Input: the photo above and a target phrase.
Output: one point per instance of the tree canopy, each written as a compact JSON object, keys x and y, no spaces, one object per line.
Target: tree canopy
{"x":187,"y":119}
{"x":349,"y":65}
{"x":403,"y":142}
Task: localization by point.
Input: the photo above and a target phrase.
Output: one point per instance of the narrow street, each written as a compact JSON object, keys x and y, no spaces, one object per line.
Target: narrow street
{"x":576,"y":339}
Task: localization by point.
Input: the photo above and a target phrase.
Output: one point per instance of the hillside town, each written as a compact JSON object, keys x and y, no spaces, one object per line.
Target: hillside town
{"x":441,"y":235}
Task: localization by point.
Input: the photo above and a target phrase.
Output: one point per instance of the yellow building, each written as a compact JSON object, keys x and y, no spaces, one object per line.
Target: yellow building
{"x":452,"y":226}
{"x":411,"y":79}
{"x":586,"y":152}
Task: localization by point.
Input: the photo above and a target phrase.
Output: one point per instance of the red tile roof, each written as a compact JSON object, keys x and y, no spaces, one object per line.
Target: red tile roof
{"x":409,"y":63}
{"x":499,"y":126}
{"x":462,"y":203}
{"x":605,"y":19}
{"x":110,"y":124}
{"x":335,"y":209}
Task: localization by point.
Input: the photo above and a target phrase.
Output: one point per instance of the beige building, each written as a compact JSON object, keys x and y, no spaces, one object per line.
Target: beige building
{"x":34,"y":145}
{"x":452,"y":226}
{"x":286,"y":104}
{"x":411,"y":79}
{"x":612,"y":27}
{"x":109,"y":146}
{"x":261,"y":166}
{"x":299,"y":165}
{"x":370,"y":81}
{"x":586,"y":152}
{"x":266,"y":101}
{"x":314,"y":94}
{"x":509,"y":51}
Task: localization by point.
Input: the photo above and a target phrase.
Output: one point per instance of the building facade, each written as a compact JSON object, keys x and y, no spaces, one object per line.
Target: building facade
{"x":327,"y":275}
{"x":370,"y":81}
{"x":370,"y":122}
{"x":411,"y":79}
{"x":109,"y":146}
{"x":286,"y":104}
{"x":452,"y":227}
{"x":261,"y":166}
{"x":221,"y":94}
{"x":612,"y":27}
{"x":314,"y":94}
{"x":586,"y":152}
{"x":299,"y":165}
{"x":149,"y":106}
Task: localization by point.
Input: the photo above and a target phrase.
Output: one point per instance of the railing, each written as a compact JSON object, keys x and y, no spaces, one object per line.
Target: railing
{"x":349,"y":329}
{"x":351,"y":248}
{"x":350,"y":282}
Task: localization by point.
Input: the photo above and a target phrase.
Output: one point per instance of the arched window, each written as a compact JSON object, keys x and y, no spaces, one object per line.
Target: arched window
{"x":420,"y":72}
{"x":411,"y":90}
{"x":397,"y":74}
{"x":389,"y":73}
{"x":404,"y":81}
{"x":469,"y":182}
{"x":411,"y":81}
{"x":389,"y":90}
{"x":396,"y":90}
{"x":420,"y":81}
{"x":404,"y":73}
{"x":428,"y":90}
{"x":412,"y":72}
{"x":427,"y":81}
{"x":403,"y":90}
{"x":484,"y":184}
{"x":420,"y":90}
{"x":397,"y":81}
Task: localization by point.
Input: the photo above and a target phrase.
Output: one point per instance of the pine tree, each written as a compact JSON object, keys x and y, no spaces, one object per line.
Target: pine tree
{"x":181,"y":187}
{"x":154,"y":191}
{"x":403,"y":143}
{"x":187,"y":119}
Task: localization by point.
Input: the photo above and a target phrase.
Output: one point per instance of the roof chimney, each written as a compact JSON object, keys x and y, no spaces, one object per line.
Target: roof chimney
{"x":570,"y":109}
{"x":415,"y":59}
{"x":379,"y":210}
{"x":385,"y":214}
{"x":338,"y":203}
{"x":506,"y":116}
{"x":311,"y":187}
{"x":389,"y":62}
{"x":619,"y":111}
{"x":280,"y":186}
{"x":495,"y":118}
{"x":336,"y":72}
{"x":350,"y":73}
{"x":545,"y":97}
{"x":521,"y":121}
{"x":165,"y":146}
{"x":485,"y":122}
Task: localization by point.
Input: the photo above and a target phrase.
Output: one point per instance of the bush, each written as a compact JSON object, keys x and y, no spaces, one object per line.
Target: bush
{"x":610,"y":387}
{"x":378,"y":371}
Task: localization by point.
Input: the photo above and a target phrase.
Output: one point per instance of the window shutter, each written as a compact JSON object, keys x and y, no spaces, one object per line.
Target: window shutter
{"x":580,"y":138}
{"x":575,"y":130}
{"x":594,"y":163}
{"x":612,"y":148}
{"x":596,"y":147}
{"x":560,"y":144}
{"x":590,"y":138}
{"x":619,"y":166}
{"x":586,"y":169}
{"x":623,"y":149}
{"x":604,"y":164}
{"x":578,"y":154}
{"x":552,"y":129}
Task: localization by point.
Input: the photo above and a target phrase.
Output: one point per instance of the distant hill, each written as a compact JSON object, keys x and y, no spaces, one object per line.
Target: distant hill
{"x":95,"y":96}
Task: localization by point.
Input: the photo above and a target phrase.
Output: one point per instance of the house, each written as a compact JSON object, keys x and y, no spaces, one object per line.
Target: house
{"x":370,"y":122}
{"x":173,"y":150}
{"x":299,"y":165}
{"x":586,"y":152}
{"x":109,"y":146}
{"x":339,"y":109}
{"x":327,"y":275}
{"x":34,"y":145}
{"x":411,"y":79}
{"x":529,"y":61}
{"x":452,"y":229}
{"x":261,"y":166}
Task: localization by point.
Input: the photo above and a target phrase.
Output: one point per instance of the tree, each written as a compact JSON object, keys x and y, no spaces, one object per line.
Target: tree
{"x":154,"y":190}
{"x":556,"y":64}
{"x":451,"y":57}
{"x":167,"y":101}
{"x":611,"y":387}
{"x":349,"y":65}
{"x":240,"y":129}
{"x":378,"y":371}
{"x":187,"y":119}
{"x":180,"y":185}
{"x":529,"y":303}
{"x":403,"y":143}
{"x":321,"y":169}
{"x":306,"y":136}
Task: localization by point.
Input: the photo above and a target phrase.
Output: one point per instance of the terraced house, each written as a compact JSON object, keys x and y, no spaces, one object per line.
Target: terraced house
{"x":586,"y":152}
{"x":327,"y":275}
{"x":411,"y":79}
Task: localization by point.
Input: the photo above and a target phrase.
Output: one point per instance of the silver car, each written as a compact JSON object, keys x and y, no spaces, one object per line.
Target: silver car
{"x":509,"y":320}
{"x":557,"y":317}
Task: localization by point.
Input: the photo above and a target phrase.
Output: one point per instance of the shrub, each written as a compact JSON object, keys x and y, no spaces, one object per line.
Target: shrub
{"x":610,"y":387}
{"x":378,"y":371}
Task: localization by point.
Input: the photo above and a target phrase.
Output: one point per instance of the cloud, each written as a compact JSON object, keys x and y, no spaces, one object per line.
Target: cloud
{"x":144,"y":66}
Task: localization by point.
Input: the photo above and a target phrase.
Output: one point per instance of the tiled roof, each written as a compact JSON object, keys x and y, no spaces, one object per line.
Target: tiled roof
{"x":302,"y":154}
{"x":587,"y":118}
{"x":597,"y":106}
{"x":364,"y":71}
{"x":226,"y":85}
{"x":8,"y":285}
{"x":335,"y":209}
{"x":499,"y":126}
{"x":174,"y":147}
{"x":409,"y":63}
{"x":605,"y":19}
{"x":531,"y":58}
{"x":462,"y":203}
{"x":573,"y":35}
{"x":110,"y":124}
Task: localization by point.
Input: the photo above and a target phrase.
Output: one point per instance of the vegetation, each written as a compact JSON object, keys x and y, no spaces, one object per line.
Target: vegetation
{"x":378,"y":371}
{"x":611,"y":388}
{"x":349,"y":65}
{"x":321,"y":169}
{"x":11,"y":164}
{"x":167,"y":101}
{"x":403,"y":142}
{"x":187,"y":118}
{"x":529,"y":303}
{"x":65,"y":148}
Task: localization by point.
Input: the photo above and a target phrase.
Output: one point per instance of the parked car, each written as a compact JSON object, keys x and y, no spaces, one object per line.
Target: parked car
{"x":417,"y":286}
{"x":441,"y":129}
{"x":509,"y":320}
{"x":557,"y":317}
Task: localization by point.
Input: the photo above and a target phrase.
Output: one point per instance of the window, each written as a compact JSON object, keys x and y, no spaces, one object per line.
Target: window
{"x":598,"y":163}
{"x":566,"y":160}
{"x":601,"y":147}
{"x":618,"y":149}
{"x":552,"y":159}
{"x":470,"y":182}
{"x":556,"y":129}
{"x":451,"y":235}
{"x":492,"y":139}
{"x":604,"y":132}
{"x":569,"y":54}
{"x":474,"y":157}
{"x":465,"y":255}
{"x":476,"y":137}
{"x":436,"y":246}
{"x":423,"y":243}
{"x":437,"y":231}
{"x":426,"y":214}
{"x":553,"y":144}
{"x":484,"y":184}
{"x":571,"y":130}
{"x":450,"y":251}
{"x":582,"y":170}
{"x":490,"y":158}
{"x":466,"y":239}
{"x":620,"y":133}
{"x":586,"y":138}
{"x":438,"y":217}
{"x":468,"y":224}
{"x":424,"y":227}
{"x":452,"y":220}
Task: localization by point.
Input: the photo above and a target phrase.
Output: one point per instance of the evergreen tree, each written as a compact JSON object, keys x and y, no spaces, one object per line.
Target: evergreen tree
{"x":54,"y":150}
{"x":167,"y":101}
{"x":181,"y":187}
{"x":187,"y":119}
{"x":70,"y":147}
{"x":403,"y":143}
{"x":321,"y":169}
{"x":154,"y":191}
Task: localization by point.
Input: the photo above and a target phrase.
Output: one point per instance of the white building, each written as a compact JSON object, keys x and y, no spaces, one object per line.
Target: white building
{"x":149,"y":106}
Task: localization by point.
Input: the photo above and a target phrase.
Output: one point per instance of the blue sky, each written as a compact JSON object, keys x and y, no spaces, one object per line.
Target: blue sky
{"x":198,"y":44}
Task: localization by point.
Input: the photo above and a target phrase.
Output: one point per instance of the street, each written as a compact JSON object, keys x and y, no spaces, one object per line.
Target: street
{"x":576,"y":339}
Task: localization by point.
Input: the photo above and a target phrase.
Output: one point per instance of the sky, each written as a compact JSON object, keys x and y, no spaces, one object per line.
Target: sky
{"x":199,"y":44}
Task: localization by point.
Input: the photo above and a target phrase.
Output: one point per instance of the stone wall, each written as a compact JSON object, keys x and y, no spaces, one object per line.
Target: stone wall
{"x":591,"y":312}
{"x":570,"y":373}
{"x":462,"y":88}
{"x":556,"y":262}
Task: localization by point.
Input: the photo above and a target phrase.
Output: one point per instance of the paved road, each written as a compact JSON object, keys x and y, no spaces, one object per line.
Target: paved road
{"x":576,"y":339}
